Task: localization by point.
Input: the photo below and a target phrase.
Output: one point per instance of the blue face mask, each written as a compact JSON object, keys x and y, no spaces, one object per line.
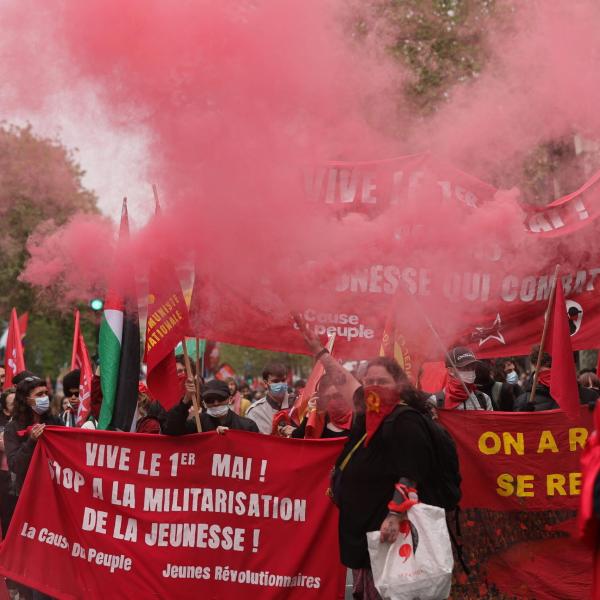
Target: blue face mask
{"x":512,"y":377}
{"x":42,"y":404}
{"x":279,"y":388}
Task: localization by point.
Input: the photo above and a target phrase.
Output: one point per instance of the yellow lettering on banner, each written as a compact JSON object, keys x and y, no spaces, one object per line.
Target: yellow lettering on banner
{"x":577,"y":437}
{"x":575,"y":484}
{"x":555,"y":484}
{"x":525,"y":486}
{"x":505,"y":485}
{"x":151,"y":322}
{"x":547,"y":442}
{"x":485,"y":448}
{"x":509,"y":441}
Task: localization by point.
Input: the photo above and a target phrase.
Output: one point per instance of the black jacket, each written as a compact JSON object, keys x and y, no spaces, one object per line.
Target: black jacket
{"x":178,"y":423}
{"x":369,"y":479}
{"x":19,"y":448}
{"x":541,"y":401}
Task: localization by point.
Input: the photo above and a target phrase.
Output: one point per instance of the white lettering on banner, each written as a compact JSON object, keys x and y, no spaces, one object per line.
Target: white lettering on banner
{"x":352,"y":185}
{"x":327,"y":323}
{"x":470,"y":286}
{"x":224,"y":501}
{"x":106,"y":455}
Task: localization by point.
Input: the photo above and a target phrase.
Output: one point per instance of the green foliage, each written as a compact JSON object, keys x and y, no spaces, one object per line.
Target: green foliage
{"x":441,"y":42}
{"x":39,"y":181}
{"x":250,"y":361}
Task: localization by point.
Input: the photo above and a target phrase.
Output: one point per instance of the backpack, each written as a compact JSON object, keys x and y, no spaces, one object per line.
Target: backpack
{"x":444,"y":450}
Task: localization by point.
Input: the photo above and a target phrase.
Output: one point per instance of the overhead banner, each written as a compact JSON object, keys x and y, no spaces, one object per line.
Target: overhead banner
{"x":521,"y":490}
{"x":115,"y":515}
{"x":489,"y":290}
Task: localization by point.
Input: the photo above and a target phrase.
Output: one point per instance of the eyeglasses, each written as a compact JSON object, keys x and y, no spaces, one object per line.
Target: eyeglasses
{"x":71,"y":394}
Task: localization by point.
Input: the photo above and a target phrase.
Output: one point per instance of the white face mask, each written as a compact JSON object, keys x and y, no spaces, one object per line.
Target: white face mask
{"x":42,"y":404}
{"x":217,"y":411}
{"x":467,"y":376}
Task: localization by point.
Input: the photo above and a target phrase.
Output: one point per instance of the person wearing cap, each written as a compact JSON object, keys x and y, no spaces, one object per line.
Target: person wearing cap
{"x":215,"y":416}
{"x":460,"y":391}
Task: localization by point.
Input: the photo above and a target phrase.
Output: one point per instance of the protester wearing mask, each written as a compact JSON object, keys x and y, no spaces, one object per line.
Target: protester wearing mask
{"x":501,"y":393}
{"x":510,"y":373}
{"x":71,"y":391}
{"x":328,"y":414}
{"x":31,"y":409}
{"x":276,"y":399}
{"x":393,"y":458}
{"x":460,"y":391}
{"x":215,"y":416}
{"x":542,"y":400}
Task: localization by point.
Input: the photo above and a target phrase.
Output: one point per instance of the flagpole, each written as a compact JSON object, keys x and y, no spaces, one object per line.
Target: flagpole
{"x":75,"y":341}
{"x":544,"y":333}
{"x":198,"y":374}
{"x":188,"y":370}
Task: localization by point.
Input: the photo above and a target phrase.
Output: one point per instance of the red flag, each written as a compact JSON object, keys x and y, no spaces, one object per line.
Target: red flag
{"x":80,"y":359}
{"x":394,"y":344}
{"x":300,"y":406}
{"x":563,"y":382}
{"x":14,"y":361}
{"x":225,"y":372}
{"x":168,"y":323}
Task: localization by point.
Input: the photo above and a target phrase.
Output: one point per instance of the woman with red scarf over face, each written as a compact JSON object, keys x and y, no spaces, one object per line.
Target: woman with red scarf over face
{"x":388,"y":462}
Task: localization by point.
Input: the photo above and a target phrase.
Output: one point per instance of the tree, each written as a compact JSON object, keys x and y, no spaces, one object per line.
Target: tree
{"x":39,"y":181}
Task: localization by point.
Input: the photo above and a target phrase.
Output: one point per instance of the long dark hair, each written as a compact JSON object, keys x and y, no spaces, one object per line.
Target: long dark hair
{"x":408,"y":392}
{"x":22,"y":412}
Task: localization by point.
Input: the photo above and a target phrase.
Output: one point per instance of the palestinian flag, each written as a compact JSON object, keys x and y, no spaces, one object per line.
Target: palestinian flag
{"x":119,"y":343}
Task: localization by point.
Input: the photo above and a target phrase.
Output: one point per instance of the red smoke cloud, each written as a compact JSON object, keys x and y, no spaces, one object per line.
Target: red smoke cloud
{"x":242,"y":98}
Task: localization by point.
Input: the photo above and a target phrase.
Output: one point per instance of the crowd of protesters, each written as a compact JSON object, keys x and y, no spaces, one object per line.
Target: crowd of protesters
{"x":389,"y":457}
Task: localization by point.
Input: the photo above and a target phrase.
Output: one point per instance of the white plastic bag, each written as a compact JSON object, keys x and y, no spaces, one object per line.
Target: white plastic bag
{"x":418,"y":565}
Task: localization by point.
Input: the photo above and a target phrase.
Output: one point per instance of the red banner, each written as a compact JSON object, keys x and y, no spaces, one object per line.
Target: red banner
{"x":134,"y":516}
{"x":521,"y":488}
{"x":519,"y":461}
{"x":485,"y":285}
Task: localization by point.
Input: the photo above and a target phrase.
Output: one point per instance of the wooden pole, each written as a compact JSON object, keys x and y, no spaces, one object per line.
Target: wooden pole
{"x":198,"y":373}
{"x":547,"y":318}
{"x":188,"y":370}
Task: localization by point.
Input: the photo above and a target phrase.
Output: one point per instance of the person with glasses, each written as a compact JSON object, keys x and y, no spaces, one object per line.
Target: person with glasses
{"x":215,"y":416}
{"x":71,"y":400}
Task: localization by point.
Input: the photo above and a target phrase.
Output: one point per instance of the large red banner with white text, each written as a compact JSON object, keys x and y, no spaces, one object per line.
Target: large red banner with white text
{"x":114,"y":515}
{"x":486,"y":286}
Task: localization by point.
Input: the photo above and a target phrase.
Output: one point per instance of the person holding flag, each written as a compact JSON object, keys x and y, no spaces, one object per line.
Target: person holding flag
{"x":71,"y":393}
{"x":328,"y":415}
{"x":216,"y":416}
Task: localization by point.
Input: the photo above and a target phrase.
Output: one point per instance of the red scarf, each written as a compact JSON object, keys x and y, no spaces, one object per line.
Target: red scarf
{"x":544,"y":377}
{"x":454,"y":392}
{"x":380,"y":402}
{"x":237,"y":403}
